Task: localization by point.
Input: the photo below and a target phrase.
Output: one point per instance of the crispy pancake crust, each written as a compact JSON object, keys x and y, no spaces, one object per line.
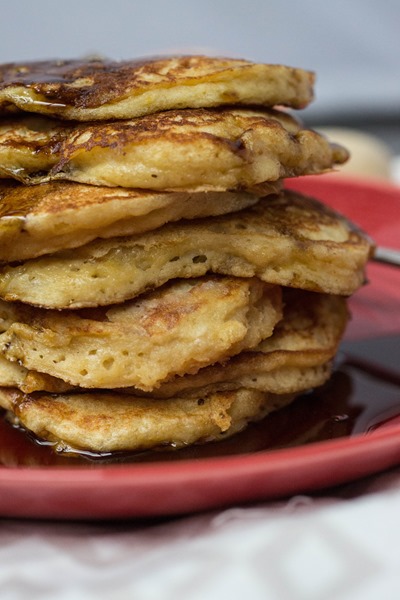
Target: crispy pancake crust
{"x":187,"y":150}
{"x":16,"y":376}
{"x":102,"y":89}
{"x":290,"y":240}
{"x":41,"y":219}
{"x":174,"y":330}
{"x":107,"y":422}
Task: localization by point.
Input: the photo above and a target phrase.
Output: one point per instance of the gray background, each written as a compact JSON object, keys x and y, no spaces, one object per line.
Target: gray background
{"x":353,"y":45}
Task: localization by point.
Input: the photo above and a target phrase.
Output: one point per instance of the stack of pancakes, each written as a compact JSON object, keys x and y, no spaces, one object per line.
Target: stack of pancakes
{"x":158,"y":285}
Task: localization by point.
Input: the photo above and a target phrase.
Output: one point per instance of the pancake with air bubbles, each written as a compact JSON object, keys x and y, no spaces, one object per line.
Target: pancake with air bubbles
{"x":95,"y":88}
{"x":174,"y":330}
{"x":41,"y":219}
{"x":290,"y":240}
{"x":297,"y":356}
{"x":188,"y":150}
{"x":291,"y":360}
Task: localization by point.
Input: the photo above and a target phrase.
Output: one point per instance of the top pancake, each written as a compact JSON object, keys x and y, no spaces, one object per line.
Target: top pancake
{"x":101,"y":89}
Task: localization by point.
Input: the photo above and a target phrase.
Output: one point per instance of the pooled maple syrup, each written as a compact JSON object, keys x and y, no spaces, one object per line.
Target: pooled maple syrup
{"x":362,"y":394}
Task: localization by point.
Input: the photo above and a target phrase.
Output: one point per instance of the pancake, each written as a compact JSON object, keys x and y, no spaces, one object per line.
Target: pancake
{"x":174,"y":330}
{"x":188,"y":150}
{"x":102,"y":89}
{"x":289,"y":240}
{"x":295,"y":357}
{"x":16,"y":376}
{"x":109,"y":422}
{"x":41,"y":219}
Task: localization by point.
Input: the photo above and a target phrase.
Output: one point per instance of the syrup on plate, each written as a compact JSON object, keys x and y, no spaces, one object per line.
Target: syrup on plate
{"x":362,"y":394}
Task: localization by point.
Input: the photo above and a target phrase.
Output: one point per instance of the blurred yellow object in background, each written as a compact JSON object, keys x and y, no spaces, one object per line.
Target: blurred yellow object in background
{"x":369,"y":155}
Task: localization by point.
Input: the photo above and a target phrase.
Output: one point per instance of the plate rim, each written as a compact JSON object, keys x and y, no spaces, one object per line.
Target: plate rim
{"x":346,"y":445}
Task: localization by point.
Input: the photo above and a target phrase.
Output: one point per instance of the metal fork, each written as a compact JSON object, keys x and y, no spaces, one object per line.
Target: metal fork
{"x":388,"y":256}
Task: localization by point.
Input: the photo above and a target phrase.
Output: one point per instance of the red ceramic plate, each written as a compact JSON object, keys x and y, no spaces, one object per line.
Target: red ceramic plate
{"x":165,"y":487}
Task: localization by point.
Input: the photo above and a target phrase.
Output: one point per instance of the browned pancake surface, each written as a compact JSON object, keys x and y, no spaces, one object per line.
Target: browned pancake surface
{"x":42,"y":219}
{"x":104,"y":89}
{"x":290,"y":240}
{"x":189,"y":150}
{"x":106,"y":422}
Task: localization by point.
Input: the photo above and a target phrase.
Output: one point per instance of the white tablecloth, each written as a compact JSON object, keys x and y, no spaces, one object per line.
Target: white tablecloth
{"x":340,"y":545}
